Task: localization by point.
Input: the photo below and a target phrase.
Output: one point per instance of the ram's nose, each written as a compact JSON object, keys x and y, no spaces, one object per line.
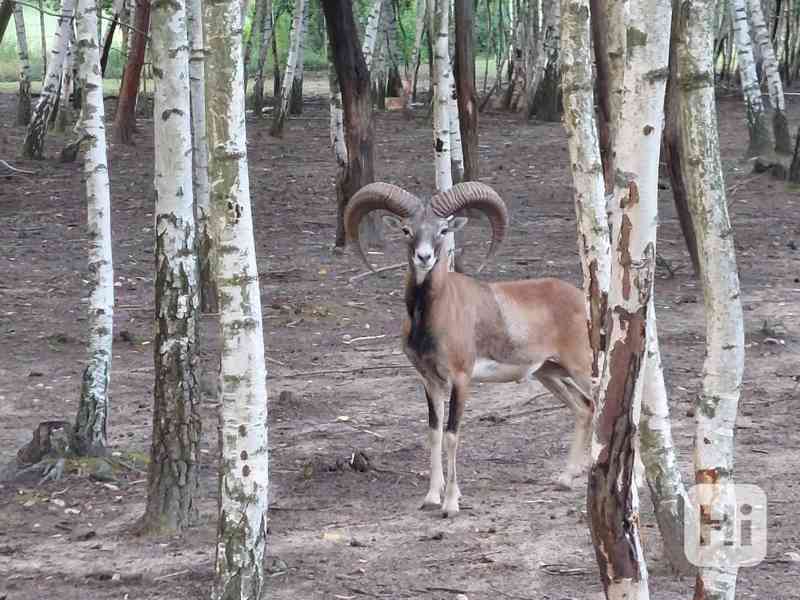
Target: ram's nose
{"x":424,"y":257}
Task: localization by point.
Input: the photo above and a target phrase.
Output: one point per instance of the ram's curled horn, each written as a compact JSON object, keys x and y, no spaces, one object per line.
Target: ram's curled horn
{"x":472,"y":194}
{"x":376,"y":196}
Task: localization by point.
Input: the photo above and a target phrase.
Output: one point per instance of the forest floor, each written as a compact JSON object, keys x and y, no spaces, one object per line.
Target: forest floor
{"x":335,"y":532}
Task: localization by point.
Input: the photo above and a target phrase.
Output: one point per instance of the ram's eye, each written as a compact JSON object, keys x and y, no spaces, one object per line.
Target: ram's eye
{"x":442,"y":231}
{"x":407,"y":231}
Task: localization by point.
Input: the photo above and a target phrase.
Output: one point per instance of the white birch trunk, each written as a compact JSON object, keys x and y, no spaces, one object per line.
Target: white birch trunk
{"x":715,"y":411}
{"x":64,"y":115}
{"x":43,"y":38}
{"x":172,"y":473}
{"x":421,"y":20}
{"x":613,"y":495}
{"x":371,"y":32}
{"x":780,"y":127}
{"x":291,"y":64}
{"x":440,"y":13}
{"x":244,"y":479}
{"x":266,"y":41}
{"x":296,"y":95}
{"x":91,"y":422}
{"x":201,"y":188}
{"x":760,"y":142}
{"x":24,"y":98}
{"x":338,"y":142}
{"x":456,"y":151}
{"x":587,"y":172}
{"x":33,"y":146}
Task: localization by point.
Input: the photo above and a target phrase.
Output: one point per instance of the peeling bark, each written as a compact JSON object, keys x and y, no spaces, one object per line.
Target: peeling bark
{"x":244,"y":481}
{"x":93,"y":407}
{"x":464,"y":69}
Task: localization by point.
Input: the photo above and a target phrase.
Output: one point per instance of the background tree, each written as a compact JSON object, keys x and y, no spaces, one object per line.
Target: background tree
{"x":295,"y":41}
{"x":24,"y":94}
{"x":33,"y":145}
{"x":716,"y":405}
{"x":125,"y":118}
{"x":197,"y":85}
{"x":464,"y":72}
{"x":760,"y":142}
{"x":244,"y":482}
{"x":93,"y":407}
{"x":267,"y":29}
{"x":174,"y":454}
{"x":6,"y":11}
{"x":296,"y":93}
{"x":354,"y":82}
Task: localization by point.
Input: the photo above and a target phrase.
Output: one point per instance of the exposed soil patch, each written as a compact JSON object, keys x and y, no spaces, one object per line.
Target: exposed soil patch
{"x":338,"y":531}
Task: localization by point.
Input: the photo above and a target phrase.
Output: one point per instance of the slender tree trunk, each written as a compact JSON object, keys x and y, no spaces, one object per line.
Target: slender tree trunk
{"x":266,"y":40}
{"x":442,"y":122}
{"x":547,"y":98}
{"x":125,"y":119}
{"x":6,"y":11}
{"x":24,"y":97}
{"x":33,"y":146}
{"x":780,"y":126}
{"x":244,"y":480}
{"x":715,"y":412}
{"x":64,"y":117}
{"x":296,"y":99}
{"x":587,"y":174}
{"x":172,"y":480}
{"x":338,"y":139}
{"x":252,"y":38}
{"x":43,"y":39}
{"x":92,"y":419}
{"x":760,"y":142}
{"x":612,"y":496}
{"x":794,"y":169}
{"x":201,"y":187}
{"x":295,"y":36}
{"x":371,"y":32}
{"x":354,"y":82}
{"x":118,"y":10}
{"x":672,"y":133}
{"x":421,"y":19}
{"x":600,"y":39}
{"x":456,"y":149}
{"x":465,"y":84}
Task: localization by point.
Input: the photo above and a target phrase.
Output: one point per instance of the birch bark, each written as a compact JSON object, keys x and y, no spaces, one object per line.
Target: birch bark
{"x":371,"y":32}
{"x":296,"y":99}
{"x":760,"y":142}
{"x":612,"y":497}
{"x":202,"y":207}
{"x":780,"y":126}
{"x":266,"y":39}
{"x":715,"y":411}
{"x":244,"y":477}
{"x":172,"y":472}
{"x":421,"y":19}
{"x":587,"y":173}
{"x":295,"y":36}
{"x":24,"y":97}
{"x":64,"y":115}
{"x":33,"y":145}
{"x":43,"y":38}
{"x":91,"y":422}
{"x":442,"y":121}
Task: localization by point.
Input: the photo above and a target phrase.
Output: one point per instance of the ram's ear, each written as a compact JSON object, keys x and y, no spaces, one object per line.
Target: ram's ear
{"x":456,"y":223}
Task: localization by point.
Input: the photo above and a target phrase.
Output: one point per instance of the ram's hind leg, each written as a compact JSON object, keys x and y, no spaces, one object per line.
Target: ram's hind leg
{"x":435,"y":396}
{"x":565,"y":389}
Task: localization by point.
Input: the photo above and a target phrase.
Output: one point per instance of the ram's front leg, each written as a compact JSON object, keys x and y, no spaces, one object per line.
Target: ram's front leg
{"x":435,"y":396}
{"x":458,"y":398}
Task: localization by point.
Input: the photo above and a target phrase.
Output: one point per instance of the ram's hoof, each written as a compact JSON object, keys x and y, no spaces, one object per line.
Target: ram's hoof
{"x":430,"y":505}
{"x":565,"y":483}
